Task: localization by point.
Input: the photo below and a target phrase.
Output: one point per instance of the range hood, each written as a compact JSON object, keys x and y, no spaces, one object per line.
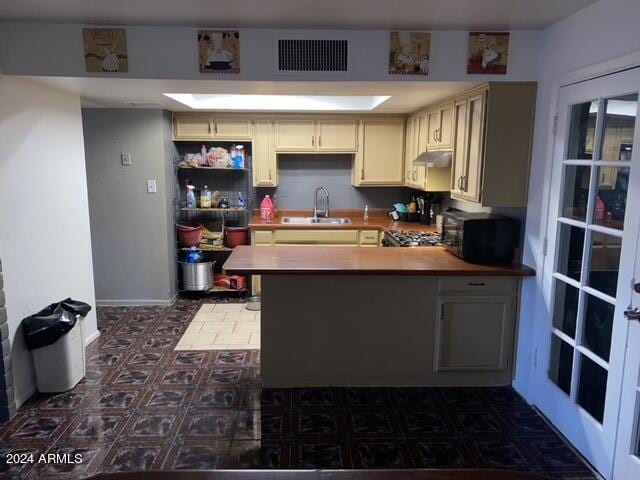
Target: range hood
{"x":436,"y":159}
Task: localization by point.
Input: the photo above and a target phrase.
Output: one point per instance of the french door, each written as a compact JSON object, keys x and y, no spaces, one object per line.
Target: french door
{"x":592,"y":244}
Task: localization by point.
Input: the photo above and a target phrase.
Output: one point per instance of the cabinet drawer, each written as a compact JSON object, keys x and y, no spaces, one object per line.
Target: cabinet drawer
{"x":262,"y":237}
{"x":369,"y":237}
{"x":478,"y":285}
{"x":316,"y":236}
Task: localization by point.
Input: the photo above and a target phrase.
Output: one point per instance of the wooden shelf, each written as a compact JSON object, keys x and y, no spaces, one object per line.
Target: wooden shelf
{"x":214,"y":168}
{"x":234,"y":209}
{"x":208,"y":249}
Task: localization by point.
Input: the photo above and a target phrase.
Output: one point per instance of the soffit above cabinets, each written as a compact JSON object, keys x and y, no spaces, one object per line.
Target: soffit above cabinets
{"x":329,"y":14}
{"x":406,"y":96}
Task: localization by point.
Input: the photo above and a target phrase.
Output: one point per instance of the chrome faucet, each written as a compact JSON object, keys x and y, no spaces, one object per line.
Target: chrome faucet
{"x":321,"y":213}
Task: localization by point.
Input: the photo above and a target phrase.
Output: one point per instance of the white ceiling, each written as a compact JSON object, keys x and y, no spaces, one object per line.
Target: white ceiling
{"x":356,"y":14}
{"x":122,"y":92}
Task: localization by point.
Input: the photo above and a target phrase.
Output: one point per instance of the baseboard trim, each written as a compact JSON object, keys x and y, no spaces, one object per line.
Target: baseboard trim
{"x":136,"y":303}
{"x":22,"y":399}
{"x":92,"y":338}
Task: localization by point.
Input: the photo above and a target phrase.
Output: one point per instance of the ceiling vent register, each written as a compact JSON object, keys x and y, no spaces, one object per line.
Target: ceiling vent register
{"x":312,"y":55}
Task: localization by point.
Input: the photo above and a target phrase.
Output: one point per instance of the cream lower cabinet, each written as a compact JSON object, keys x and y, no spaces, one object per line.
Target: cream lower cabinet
{"x":264,"y":166}
{"x":380,"y":158}
{"x":475,"y":325}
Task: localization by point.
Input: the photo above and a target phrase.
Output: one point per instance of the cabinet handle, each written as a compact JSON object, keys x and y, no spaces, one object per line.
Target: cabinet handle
{"x":476,"y":284}
{"x":209,"y":124}
{"x":319,"y":140}
{"x":414,"y":175}
{"x":439,"y":134}
{"x":269,"y":174}
{"x":464,"y":183}
{"x":460,"y":183}
{"x":216,"y":128}
{"x":313,"y":141}
{"x":362,"y":174}
{"x":442,"y":311}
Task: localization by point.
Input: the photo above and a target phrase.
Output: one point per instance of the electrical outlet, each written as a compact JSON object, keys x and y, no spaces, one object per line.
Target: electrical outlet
{"x":125,"y":158}
{"x":151,"y":186}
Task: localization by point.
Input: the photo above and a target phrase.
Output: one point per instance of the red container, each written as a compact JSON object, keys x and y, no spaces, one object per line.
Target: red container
{"x":234,"y":236}
{"x":189,"y":236}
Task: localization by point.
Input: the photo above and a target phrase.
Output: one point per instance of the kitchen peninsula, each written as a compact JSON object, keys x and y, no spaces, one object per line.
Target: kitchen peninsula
{"x":352,"y":316}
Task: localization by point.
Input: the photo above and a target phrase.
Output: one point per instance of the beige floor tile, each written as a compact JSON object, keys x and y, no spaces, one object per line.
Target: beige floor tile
{"x":229,"y":307}
{"x":246,"y":316}
{"x":227,"y":338}
{"x":246,"y":326}
{"x":182,"y":347}
{"x":207,"y":307}
{"x":240,"y":347}
{"x":194,"y":327}
{"x":210,"y":317}
{"x":216,"y":327}
{"x":197,"y":339}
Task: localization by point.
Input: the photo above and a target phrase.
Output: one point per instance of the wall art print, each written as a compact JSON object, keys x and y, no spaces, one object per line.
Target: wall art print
{"x":488,"y":53}
{"x":409,"y":53}
{"x":219,"y":51}
{"x":105,"y":50}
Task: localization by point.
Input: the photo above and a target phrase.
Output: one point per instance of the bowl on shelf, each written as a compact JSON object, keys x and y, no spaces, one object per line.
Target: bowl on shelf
{"x":234,"y":236}
{"x":189,"y":236}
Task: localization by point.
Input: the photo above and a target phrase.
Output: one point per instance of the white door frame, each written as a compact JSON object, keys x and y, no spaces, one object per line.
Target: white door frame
{"x":548,"y":208}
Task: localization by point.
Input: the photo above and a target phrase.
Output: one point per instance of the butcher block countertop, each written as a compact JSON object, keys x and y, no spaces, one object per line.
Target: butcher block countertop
{"x":378,"y":220}
{"x":264,"y":260}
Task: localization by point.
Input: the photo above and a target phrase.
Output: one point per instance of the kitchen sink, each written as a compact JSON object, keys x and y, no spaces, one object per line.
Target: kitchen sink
{"x":316,"y":220}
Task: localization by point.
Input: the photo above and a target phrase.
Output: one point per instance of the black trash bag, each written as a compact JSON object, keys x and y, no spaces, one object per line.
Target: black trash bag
{"x":47,"y":326}
{"x":76,"y":307}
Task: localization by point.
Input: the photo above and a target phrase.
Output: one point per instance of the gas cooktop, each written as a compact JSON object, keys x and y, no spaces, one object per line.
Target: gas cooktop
{"x":398,"y":238}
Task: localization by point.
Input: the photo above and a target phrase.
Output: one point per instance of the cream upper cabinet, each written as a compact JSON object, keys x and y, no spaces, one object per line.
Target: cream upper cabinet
{"x":421,"y":132}
{"x":439,"y":130}
{"x":380,"y":158}
{"x":410,"y":152}
{"x":265,"y":173}
{"x":295,"y":135}
{"x":337,"y":135}
{"x":474,"y":141}
{"x":232,"y":128}
{"x":192,"y":126}
{"x":459,"y":146}
{"x":492,"y":145}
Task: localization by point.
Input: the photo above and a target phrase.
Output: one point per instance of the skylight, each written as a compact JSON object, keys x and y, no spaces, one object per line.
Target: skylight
{"x":277,"y":103}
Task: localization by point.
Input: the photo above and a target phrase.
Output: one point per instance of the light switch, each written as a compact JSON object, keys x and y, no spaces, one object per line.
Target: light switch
{"x":151,"y":186}
{"x":125,"y":158}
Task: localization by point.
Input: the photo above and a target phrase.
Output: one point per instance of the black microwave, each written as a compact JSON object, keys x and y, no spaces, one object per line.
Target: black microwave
{"x":480,"y":237}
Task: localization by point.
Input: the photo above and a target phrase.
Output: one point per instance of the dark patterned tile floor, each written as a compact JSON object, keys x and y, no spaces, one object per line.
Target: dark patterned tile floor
{"x":144,"y":406}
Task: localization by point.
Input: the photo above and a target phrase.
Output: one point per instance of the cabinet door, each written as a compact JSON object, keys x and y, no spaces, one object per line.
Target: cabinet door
{"x":445,"y":137}
{"x":295,"y":135}
{"x":472,"y":182}
{"x":433,"y":129}
{"x":410,"y":147}
{"x":474,"y":333}
{"x":232,"y":128}
{"x":380,"y":161}
{"x":459,"y":147}
{"x":422,"y":133}
{"x":264,"y":156}
{"x":192,"y":126}
{"x":337,"y":135}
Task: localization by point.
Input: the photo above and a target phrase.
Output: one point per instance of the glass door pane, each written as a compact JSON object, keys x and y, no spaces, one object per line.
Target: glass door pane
{"x":588,"y":247}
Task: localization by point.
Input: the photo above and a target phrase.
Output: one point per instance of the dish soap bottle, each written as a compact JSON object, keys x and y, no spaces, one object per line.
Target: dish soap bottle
{"x":366,"y":213}
{"x":267,"y":209}
{"x":205,"y":198}
{"x":191,"y":197}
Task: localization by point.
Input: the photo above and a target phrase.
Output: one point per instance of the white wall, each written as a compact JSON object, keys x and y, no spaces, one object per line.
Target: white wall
{"x":171,"y":53}
{"x":598,"y":33}
{"x":45,"y":243}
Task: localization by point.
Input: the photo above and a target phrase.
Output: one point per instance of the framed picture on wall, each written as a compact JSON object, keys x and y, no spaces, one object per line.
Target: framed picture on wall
{"x":219,"y":51}
{"x":409,"y":53}
{"x":488,"y":53}
{"x":105,"y":50}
